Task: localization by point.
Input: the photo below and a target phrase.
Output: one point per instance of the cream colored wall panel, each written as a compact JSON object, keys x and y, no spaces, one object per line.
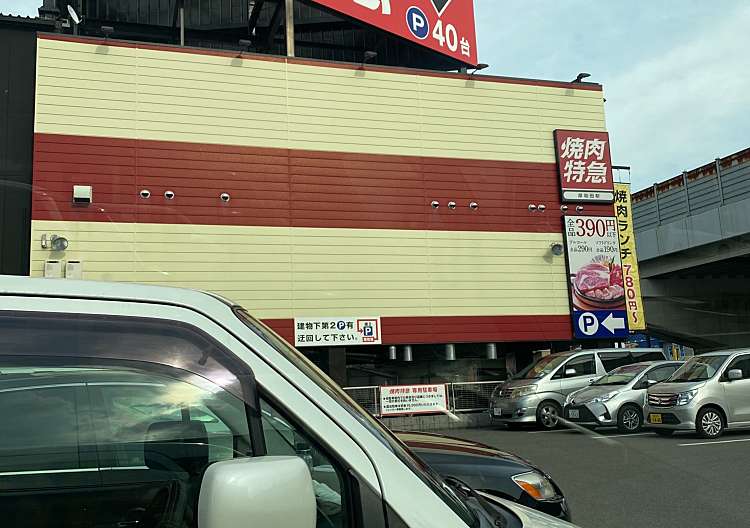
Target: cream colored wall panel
{"x":282,"y":272}
{"x":323,"y":108}
{"x":208,"y":110}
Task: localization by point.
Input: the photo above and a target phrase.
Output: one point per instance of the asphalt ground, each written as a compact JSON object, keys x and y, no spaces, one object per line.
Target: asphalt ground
{"x":641,"y":480}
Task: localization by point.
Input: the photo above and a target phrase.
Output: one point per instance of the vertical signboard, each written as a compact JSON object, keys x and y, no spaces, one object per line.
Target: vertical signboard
{"x":336,"y":331}
{"x":445,"y":26}
{"x":631,"y":275}
{"x":597,"y":291}
{"x":584,"y":165}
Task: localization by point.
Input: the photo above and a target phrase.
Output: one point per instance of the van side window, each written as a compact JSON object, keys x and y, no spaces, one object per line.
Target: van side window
{"x":283,"y":438}
{"x":39,"y":430}
{"x":648,"y":355}
{"x":612,"y":360}
{"x":583,"y":366}
{"x":112,"y":421}
{"x":742,"y":363}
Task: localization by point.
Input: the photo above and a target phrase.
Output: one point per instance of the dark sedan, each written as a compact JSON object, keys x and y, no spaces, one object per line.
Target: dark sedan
{"x":487,"y":469}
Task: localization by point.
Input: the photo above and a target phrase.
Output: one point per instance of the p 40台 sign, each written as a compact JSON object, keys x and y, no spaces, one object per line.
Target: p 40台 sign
{"x":445,"y":26}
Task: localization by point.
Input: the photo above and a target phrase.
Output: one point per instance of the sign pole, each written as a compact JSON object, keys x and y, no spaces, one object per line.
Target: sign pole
{"x":289,"y":25}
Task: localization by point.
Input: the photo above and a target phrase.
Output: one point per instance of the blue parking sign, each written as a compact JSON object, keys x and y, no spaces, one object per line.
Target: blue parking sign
{"x":600,"y":324}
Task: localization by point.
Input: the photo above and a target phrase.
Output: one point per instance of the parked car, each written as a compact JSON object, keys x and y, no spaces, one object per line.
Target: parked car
{"x":132,"y":405}
{"x":489,"y":470}
{"x":708,"y":394}
{"x":537,"y":393}
{"x":617,"y":398}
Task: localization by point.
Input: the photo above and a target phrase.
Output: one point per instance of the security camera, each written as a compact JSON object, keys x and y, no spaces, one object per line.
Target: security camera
{"x":564,"y":208}
{"x":542,"y":208}
{"x":435,"y":204}
{"x":169,"y":195}
{"x":473,"y":206}
{"x":532,"y":208}
{"x":579,"y":208}
{"x":225,"y":197}
{"x":145,"y":193}
{"x":451,"y":205}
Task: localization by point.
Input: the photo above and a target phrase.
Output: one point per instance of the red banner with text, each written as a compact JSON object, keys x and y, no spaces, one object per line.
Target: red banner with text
{"x":446,"y":26}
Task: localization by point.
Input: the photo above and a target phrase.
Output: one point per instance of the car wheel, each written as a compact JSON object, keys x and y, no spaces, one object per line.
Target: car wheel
{"x":709,"y":423}
{"x":629,"y":419}
{"x":664,"y":432}
{"x":548,"y":414}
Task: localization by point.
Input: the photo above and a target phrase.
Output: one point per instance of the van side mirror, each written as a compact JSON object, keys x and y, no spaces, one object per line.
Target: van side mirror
{"x":256,"y":492}
{"x":570,"y":372}
{"x":650,"y":382}
{"x":734,"y":374}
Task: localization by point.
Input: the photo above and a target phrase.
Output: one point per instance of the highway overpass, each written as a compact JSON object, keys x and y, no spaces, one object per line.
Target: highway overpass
{"x":693,"y":236}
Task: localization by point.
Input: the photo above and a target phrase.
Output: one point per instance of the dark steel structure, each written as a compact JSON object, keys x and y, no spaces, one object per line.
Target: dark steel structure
{"x":17,"y":71}
{"x":319,"y":33}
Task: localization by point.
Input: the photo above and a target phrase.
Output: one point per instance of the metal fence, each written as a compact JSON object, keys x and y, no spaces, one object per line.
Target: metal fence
{"x":470,"y":396}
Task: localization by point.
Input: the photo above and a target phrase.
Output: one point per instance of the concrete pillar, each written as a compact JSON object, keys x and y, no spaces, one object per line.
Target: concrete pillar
{"x":335,"y":360}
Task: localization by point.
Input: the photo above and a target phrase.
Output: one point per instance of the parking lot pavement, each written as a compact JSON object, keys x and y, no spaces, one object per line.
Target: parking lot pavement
{"x":643,"y":480}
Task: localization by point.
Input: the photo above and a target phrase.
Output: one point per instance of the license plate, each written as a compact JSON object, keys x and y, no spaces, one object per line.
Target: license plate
{"x":497,"y":412}
{"x":574,"y":413}
{"x":654,"y":418}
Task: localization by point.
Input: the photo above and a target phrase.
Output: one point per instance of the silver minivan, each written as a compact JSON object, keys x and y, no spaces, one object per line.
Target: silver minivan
{"x":708,"y":394}
{"x":537,"y":393}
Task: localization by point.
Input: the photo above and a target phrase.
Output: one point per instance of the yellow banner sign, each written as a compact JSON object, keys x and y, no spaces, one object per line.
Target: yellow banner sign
{"x":631,"y":275}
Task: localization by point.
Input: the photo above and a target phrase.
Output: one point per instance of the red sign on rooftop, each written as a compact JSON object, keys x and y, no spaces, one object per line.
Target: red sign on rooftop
{"x":446,"y":26}
{"x":585,"y":166}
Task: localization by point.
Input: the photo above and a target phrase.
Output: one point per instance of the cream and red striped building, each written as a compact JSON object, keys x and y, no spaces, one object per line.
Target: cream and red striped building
{"x":331,"y":170}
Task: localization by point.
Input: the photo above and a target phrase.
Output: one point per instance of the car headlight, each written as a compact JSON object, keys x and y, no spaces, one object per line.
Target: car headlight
{"x":536,"y":485}
{"x":496,"y":391}
{"x":686,"y":397}
{"x":604,"y":397}
{"x":569,"y":397}
{"x":523,"y":391}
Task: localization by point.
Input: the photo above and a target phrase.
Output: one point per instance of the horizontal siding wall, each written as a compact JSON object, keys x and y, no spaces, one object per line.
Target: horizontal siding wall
{"x":283,"y":272}
{"x":138,"y":93}
{"x":281,"y":187}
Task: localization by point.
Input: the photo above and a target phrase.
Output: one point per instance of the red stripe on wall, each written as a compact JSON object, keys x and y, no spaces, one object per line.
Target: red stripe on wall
{"x":281,"y":187}
{"x":459,"y":329}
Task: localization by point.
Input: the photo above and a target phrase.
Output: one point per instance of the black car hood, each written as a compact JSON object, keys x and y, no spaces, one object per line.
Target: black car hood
{"x":447,"y":448}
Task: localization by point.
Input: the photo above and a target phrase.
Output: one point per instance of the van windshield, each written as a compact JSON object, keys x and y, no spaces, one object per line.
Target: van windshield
{"x":424,"y":472}
{"x":541,"y":368}
{"x":698,"y":368}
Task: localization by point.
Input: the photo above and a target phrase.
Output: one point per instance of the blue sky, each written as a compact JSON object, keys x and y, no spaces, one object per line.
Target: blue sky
{"x":675,"y":72}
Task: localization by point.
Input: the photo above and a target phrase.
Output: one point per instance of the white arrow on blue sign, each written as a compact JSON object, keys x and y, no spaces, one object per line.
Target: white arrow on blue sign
{"x":600,"y":324}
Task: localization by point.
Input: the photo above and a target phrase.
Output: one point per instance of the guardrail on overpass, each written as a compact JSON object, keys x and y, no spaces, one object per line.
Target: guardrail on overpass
{"x":705,"y":205}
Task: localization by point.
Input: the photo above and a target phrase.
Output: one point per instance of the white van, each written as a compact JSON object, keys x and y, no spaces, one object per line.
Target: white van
{"x":136,"y":406}
{"x":537,"y":393}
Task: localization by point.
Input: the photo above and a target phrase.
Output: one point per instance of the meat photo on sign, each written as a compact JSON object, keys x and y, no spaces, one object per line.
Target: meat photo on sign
{"x":600,"y":283}
{"x":596,"y":274}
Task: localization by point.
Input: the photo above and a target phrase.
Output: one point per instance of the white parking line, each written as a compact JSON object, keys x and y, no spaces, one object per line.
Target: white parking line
{"x":600,"y":437}
{"x":553,"y":431}
{"x":715,"y":442}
